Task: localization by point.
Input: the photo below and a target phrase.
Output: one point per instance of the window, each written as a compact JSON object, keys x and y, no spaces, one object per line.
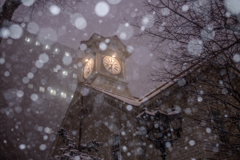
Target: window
{"x":115,"y":147}
{"x":219,"y":125}
{"x":30,"y":86}
{"x":41,"y":89}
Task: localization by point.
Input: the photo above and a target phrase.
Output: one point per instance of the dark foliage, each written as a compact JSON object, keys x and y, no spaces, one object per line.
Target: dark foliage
{"x":70,"y":150}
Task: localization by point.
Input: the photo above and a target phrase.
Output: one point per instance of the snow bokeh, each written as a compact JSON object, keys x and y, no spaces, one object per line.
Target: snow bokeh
{"x":195,"y":47}
{"x":232,"y":6}
{"x":33,"y":27}
{"x":54,"y":9}
{"x":102,"y":9}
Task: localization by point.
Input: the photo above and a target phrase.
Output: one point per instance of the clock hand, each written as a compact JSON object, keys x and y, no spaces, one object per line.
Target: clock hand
{"x":110,"y":67}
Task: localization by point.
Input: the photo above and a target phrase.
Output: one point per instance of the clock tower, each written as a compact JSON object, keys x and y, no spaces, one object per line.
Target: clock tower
{"x":103,"y":64}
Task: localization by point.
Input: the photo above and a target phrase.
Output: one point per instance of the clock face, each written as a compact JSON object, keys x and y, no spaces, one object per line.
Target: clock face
{"x":112,"y":65}
{"x":88,"y":68}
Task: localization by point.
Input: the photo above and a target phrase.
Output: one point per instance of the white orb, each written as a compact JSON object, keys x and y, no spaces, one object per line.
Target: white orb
{"x":102,"y":9}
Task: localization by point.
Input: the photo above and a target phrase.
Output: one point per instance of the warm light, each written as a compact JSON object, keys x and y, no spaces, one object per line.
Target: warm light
{"x":41,"y":89}
{"x":114,"y":54}
{"x":53,"y":92}
{"x":67,"y":54}
{"x":63,"y":95}
{"x":86,"y":60}
{"x":30,"y":86}
{"x":55,"y":70}
{"x":65,"y":73}
{"x":27,"y":39}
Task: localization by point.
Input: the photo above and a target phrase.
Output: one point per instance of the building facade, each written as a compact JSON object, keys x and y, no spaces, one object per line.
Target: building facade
{"x":104,"y":110}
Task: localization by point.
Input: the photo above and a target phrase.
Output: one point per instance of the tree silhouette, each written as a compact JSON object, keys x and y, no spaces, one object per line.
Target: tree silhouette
{"x":10,"y":6}
{"x":70,"y":150}
{"x":199,"y":42}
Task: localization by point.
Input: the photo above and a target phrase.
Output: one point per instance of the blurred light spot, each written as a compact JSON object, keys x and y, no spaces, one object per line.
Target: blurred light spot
{"x":74,"y":75}
{"x":2,"y":60}
{"x":47,"y":47}
{"x":34,"y":97}
{"x":165,"y":11}
{"x":65,"y":73}
{"x":22,"y":146}
{"x":42,"y":147}
{"x":102,"y":46}
{"x":39,"y":64}
{"x":6,"y":73}
{"x":195,"y":47}
{"x":41,"y":89}
{"x":45,"y":137}
{"x":4,"y":32}
{"x":32,"y":27}
{"x":148,"y":21}
{"x":207,"y":33}
{"x":43,"y":57}
{"x":25,"y":80}
{"x":129,"y":107}
{"x":27,"y":39}
{"x":181,"y":82}
{"x":124,"y":31}
{"x":67,"y":54}
{"x":27,"y":2}
{"x":18,"y":109}
{"x":20,"y":93}
{"x":208,"y":130}
{"x":67,"y":60}
{"x":80,"y":23}
{"x":199,"y":99}
{"x":107,"y":40}
{"x":30,"y":75}
{"x":191,"y":142}
{"x":84,"y":91}
{"x":63,"y":95}
{"x":75,"y":66}
{"x":47,"y":130}
{"x":15,"y":31}
{"x":55,"y":70}
{"x":83,"y":46}
{"x":55,"y":10}
{"x":102,"y":9}
{"x":168,"y":144}
{"x":185,"y":8}
{"x":30,"y":86}
{"x":114,"y":1}
{"x":124,"y":149}
{"x":236,"y":58}
{"x":53,"y":92}
{"x":232,"y":6}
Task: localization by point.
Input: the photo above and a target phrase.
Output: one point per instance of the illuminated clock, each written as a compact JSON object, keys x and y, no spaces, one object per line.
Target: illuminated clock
{"x":111,"y":65}
{"x":88,"y":68}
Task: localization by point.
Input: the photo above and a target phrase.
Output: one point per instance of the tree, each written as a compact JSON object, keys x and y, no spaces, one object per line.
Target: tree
{"x":71,"y":151}
{"x":202,"y":38}
{"x":10,"y":6}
